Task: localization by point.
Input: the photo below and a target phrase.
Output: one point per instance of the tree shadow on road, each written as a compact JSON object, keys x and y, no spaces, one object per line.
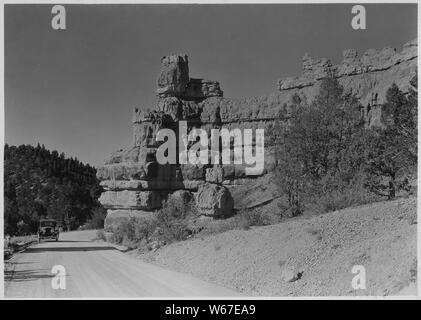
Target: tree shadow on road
{"x":27,"y":275}
{"x":17,"y":263}
{"x":68,"y":249}
{"x":75,"y":241}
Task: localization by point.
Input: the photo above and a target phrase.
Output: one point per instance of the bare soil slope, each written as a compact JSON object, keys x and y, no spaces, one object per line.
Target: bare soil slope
{"x":380,"y":236}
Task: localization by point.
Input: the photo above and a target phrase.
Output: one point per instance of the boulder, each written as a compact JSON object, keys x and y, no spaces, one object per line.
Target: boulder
{"x":214,"y":200}
{"x":291,"y":274}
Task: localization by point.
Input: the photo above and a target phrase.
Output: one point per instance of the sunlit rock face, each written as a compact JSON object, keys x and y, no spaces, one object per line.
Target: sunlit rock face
{"x":174,"y":81}
{"x":367,"y":76}
{"x":136,"y":185}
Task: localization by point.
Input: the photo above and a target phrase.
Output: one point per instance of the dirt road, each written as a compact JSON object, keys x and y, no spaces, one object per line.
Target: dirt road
{"x":95,"y":269}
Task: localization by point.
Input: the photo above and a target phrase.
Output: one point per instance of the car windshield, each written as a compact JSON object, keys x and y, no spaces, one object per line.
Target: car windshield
{"x":48,"y":223}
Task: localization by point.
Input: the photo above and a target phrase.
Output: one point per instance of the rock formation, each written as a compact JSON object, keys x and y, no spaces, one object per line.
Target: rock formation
{"x":136,"y":185}
{"x":368,"y":76}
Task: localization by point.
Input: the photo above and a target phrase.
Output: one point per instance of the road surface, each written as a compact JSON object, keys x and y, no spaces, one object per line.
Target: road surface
{"x":96,"y":269}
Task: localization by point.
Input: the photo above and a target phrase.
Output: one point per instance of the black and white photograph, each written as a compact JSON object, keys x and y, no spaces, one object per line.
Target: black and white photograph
{"x":209,"y":151}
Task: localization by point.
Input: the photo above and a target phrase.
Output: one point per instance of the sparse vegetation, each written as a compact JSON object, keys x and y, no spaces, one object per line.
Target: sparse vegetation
{"x":97,"y":219}
{"x":347,"y":196}
{"x":13,"y":244}
{"x":133,"y":232}
{"x":171,"y":224}
{"x":100,"y":235}
{"x":252,"y":217}
{"x":173,"y":219}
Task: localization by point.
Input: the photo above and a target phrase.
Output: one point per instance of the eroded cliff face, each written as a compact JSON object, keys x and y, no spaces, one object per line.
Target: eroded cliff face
{"x":137,"y":185}
{"x":368,"y":76}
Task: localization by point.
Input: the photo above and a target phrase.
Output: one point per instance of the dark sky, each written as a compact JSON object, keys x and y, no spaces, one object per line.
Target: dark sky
{"x":74,"y":90}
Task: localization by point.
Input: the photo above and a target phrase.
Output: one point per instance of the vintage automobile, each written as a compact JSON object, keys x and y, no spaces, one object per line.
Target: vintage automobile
{"x":48,"y":230}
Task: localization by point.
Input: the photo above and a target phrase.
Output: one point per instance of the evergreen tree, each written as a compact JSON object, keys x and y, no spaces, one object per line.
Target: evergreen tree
{"x":393,"y":150}
{"x":320,"y":148}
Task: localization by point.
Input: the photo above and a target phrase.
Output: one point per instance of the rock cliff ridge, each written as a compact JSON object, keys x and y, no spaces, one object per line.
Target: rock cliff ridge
{"x":136,"y":185}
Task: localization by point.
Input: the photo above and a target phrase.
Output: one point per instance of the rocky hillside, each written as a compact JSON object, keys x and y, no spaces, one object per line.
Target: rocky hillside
{"x":136,"y":185}
{"x":309,"y":256}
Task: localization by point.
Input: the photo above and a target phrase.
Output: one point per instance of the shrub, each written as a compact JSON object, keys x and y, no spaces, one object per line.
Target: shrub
{"x":144,"y":229}
{"x":170,"y":224}
{"x":97,"y":219}
{"x":333,"y":193}
{"x":122,"y":231}
{"x":132,"y":232}
{"x":100,"y":235}
{"x":290,"y":210}
{"x":252,"y":217}
{"x":173,"y":219}
{"x":340,"y":199}
{"x":13,"y":245}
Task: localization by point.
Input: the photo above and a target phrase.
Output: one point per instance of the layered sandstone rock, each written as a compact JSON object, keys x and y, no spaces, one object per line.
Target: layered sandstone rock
{"x":368,"y":76}
{"x":174,"y":76}
{"x":136,"y":185}
{"x":174,"y":81}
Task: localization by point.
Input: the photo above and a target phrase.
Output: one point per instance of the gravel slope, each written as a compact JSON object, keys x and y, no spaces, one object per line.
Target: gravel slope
{"x":379,"y":236}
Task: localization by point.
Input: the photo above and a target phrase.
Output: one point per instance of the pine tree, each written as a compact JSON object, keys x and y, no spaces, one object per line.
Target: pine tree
{"x":393,"y":150}
{"x":319,"y":148}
